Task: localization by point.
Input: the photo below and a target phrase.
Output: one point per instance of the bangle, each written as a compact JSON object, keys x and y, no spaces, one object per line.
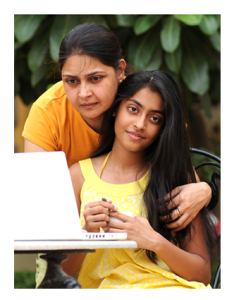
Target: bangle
{"x":215,"y":190}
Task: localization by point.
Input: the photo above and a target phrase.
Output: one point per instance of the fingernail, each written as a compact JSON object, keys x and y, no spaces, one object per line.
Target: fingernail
{"x":115,"y":207}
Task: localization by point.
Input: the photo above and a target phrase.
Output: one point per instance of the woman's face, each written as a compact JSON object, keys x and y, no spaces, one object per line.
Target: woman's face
{"x":139,"y":120}
{"x":90,"y":86}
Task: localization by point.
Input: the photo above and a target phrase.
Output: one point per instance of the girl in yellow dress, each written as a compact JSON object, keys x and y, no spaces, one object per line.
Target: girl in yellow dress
{"x":144,"y":154}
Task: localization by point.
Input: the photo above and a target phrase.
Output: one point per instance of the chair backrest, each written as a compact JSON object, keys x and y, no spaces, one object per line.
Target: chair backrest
{"x":215,"y":193}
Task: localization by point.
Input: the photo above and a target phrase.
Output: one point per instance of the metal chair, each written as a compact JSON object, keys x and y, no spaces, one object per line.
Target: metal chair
{"x":215,"y":193}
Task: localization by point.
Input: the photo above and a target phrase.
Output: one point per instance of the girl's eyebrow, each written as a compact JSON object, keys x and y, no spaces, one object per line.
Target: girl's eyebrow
{"x":87,"y":75}
{"x":139,"y":104}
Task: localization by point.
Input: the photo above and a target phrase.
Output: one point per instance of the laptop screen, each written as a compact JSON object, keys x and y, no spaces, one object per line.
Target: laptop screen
{"x":43,"y":198}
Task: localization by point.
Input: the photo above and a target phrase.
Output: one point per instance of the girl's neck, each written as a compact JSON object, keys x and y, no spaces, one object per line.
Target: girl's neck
{"x":125,"y":164}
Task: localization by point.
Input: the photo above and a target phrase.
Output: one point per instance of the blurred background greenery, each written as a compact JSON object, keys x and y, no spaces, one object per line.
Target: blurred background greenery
{"x":185,"y":46}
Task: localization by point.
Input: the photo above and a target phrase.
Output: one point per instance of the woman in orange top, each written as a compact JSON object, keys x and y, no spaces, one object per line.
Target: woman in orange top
{"x":68,"y":116}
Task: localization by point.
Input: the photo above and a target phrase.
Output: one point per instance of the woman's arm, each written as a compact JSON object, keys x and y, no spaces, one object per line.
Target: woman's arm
{"x":31,"y":147}
{"x":191,"y":263}
{"x":189,"y":199}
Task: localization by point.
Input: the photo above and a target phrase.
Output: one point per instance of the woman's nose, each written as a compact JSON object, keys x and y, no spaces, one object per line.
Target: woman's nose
{"x":84,"y":90}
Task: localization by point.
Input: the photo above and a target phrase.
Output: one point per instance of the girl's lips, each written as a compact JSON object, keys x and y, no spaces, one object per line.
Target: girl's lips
{"x":135,"y":136}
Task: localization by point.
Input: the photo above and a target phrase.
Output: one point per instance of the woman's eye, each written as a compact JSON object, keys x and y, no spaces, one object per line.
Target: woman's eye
{"x":96,"y":78}
{"x":71,"y":81}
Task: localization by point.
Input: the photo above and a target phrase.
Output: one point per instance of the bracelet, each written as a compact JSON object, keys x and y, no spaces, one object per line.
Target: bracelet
{"x":215,"y":190}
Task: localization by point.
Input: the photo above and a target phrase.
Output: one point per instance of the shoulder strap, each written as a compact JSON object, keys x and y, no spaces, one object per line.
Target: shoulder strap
{"x":104,"y":164}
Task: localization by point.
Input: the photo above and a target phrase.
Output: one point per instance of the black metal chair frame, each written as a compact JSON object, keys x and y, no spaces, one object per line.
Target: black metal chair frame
{"x":215,"y":176}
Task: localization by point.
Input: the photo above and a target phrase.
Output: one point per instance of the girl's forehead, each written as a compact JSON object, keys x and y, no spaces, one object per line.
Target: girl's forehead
{"x":148,"y":98}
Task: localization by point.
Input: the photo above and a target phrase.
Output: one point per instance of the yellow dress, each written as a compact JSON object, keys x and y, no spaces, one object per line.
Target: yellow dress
{"x":123,"y":268}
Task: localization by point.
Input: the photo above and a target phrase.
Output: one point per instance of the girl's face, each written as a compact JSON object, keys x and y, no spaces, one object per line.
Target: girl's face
{"x":139,"y":120}
{"x":91,"y":86}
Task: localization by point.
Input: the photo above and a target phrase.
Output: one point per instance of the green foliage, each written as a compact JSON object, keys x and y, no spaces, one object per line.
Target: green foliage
{"x":24,"y":280}
{"x":186,"y":46}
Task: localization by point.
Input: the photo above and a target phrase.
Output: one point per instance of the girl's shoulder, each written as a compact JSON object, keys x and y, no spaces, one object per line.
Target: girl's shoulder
{"x":98,"y":163}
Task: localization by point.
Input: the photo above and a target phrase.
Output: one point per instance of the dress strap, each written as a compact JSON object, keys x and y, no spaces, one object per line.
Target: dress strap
{"x":104,"y":164}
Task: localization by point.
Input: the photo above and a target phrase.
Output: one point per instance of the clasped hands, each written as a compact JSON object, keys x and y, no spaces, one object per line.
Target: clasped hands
{"x":97,"y":215}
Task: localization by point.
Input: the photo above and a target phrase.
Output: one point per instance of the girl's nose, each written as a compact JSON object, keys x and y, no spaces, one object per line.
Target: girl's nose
{"x":140,"y":123}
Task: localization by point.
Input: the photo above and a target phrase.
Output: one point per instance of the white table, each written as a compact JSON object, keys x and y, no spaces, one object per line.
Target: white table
{"x":44,"y":246}
{"x":55,"y":277}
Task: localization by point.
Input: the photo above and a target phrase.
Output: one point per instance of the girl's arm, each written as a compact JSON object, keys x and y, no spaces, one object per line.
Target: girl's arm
{"x":191,"y":263}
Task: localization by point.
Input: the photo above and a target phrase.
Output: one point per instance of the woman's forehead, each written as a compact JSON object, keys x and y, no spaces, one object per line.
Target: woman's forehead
{"x":83,"y":65}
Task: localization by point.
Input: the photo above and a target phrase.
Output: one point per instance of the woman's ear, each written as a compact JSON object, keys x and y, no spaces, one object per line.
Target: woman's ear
{"x":121,"y":69}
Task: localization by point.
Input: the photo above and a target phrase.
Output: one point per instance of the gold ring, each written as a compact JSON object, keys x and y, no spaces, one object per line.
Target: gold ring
{"x":178,"y":212}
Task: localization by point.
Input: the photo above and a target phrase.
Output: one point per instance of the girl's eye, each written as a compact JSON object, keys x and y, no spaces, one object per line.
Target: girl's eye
{"x":132,"y":109}
{"x":155,"y":119}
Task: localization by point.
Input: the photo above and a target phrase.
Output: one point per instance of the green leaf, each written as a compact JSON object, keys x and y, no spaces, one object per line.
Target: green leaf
{"x":26,"y":26}
{"x":145,"y":50}
{"x":156,"y":60}
{"x":93,"y":19}
{"x":37,"y":76}
{"x":215,"y":41}
{"x":209,"y":24}
{"x":194,"y":72}
{"x":132,"y":46}
{"x":37,"y":54}
{"x":170,"y":34}
{"x":61,"y":26}
{"x":174,"y":60}
{"x":191,"y":20}
{"x":144,"y":23}
{"x":125,"y":20}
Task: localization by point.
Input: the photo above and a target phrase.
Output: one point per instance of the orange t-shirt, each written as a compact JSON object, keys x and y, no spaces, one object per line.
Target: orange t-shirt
{"x":55,"y":125}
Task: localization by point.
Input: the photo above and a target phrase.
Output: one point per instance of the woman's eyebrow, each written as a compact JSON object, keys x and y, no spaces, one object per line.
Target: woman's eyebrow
{"x":139,"y":104}
{"x":87,"y":75}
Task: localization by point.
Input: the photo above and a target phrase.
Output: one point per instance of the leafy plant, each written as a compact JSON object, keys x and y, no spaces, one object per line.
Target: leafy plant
{"x":186,"y":46}
{"x":24,"y":280}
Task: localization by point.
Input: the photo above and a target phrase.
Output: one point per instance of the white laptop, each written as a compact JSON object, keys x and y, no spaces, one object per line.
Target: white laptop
{"x":44,"y":202}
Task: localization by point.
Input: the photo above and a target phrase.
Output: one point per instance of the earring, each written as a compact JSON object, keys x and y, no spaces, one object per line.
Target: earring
{"x":120,"y":81}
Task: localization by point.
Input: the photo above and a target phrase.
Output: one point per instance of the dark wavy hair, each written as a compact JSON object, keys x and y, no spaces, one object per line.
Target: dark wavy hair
{"x":168,"y":156}
{"x":94,"y":40}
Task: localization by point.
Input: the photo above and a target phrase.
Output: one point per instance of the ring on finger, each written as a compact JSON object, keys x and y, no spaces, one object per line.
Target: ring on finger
{"x":178,"y":212}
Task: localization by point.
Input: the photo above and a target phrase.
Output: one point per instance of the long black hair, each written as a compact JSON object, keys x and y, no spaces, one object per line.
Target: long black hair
{"x":168,"y":156}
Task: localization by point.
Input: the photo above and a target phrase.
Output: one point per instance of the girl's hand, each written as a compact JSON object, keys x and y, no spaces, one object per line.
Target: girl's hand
{"x":96,"y":215}
{"x":137,"y":228}
{"x":189,"y":199}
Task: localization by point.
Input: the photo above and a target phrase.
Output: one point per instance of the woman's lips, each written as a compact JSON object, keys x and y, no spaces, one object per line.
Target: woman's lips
{"x":89,"y":105}
{"x":135,"y":136}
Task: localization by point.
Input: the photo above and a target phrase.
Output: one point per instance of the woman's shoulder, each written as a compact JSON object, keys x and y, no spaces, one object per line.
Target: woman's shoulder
{"x":54,"y":95}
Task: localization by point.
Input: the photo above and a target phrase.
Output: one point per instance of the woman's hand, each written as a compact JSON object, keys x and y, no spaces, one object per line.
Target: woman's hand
{"x":96,"y":215}
{"x":189,"y":199}
{"x":137,"y":228}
